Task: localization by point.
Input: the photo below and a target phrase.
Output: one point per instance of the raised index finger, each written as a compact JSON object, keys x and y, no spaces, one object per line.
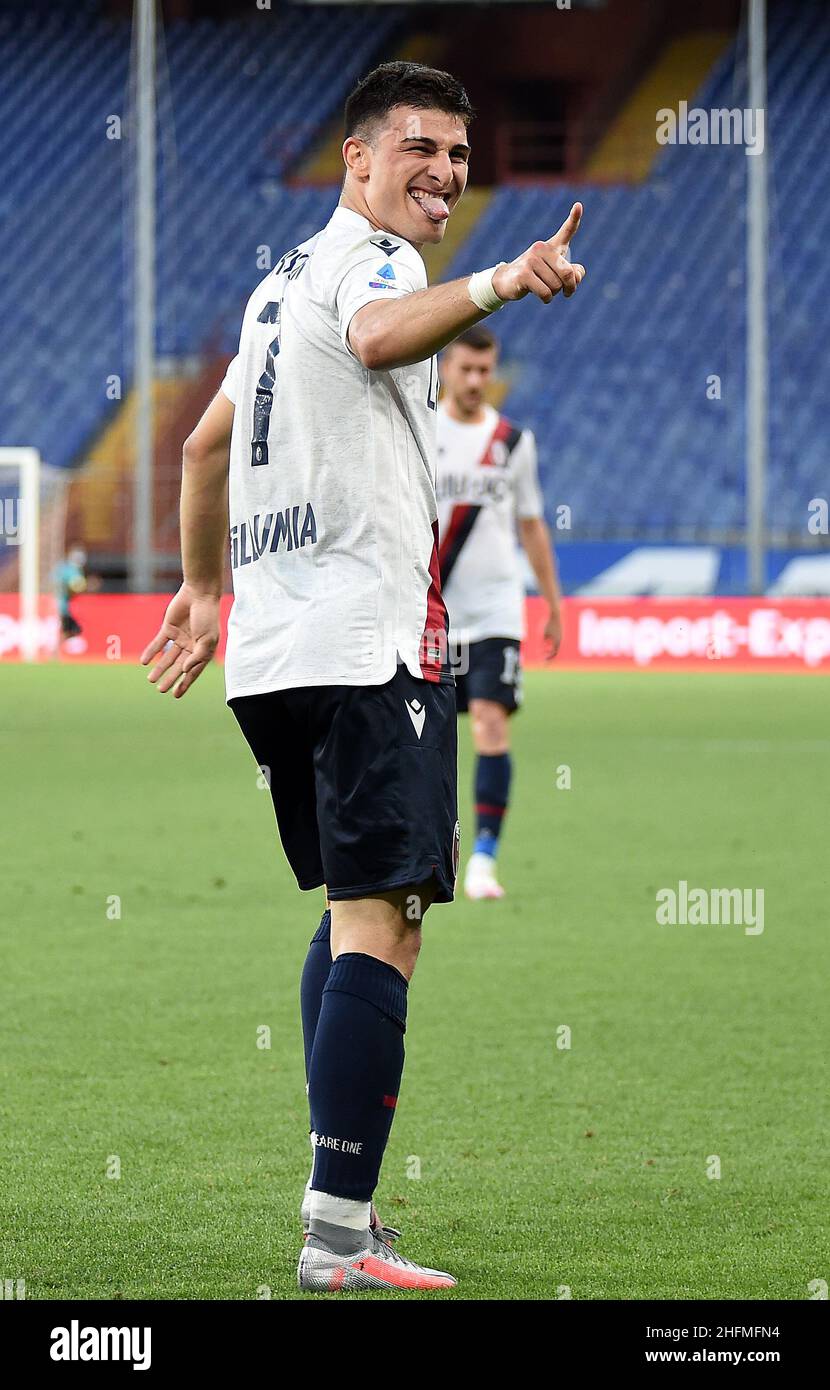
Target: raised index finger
{"x":568,"y":229}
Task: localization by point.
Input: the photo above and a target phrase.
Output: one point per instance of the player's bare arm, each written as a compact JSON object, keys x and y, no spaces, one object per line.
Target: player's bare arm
{"x":395,"y":333}
{"x":189,"y":634}
{"x":535,"y":537}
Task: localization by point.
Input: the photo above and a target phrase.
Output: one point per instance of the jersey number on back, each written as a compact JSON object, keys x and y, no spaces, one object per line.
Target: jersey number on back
{"x":291,"y":265}
{"x":432,"y":394}
{"x":264,"y":399}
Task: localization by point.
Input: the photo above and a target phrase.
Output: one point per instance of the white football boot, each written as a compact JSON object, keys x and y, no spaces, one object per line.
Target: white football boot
{"x":480,"y":878}
{"x":377,"y":1267}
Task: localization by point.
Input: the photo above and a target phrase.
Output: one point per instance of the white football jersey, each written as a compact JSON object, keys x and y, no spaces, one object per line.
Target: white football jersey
{"x":333,"y":523}
{"x":487,"y":477}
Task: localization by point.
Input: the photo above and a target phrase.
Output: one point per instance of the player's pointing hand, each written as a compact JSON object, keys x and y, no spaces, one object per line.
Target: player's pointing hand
{"x":544,"y":268}
{"x":562,"y":239}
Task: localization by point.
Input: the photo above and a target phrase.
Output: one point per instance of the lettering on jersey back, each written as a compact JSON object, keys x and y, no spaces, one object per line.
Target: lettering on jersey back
{"x":292,"y":263}
{"x":270,"y":314}
{"x":284,"y":530}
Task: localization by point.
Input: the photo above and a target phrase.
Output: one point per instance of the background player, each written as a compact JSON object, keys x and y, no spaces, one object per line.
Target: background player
{"x":487,"y":484}
{"x":69,"y":581}
{"x":336,"y":666}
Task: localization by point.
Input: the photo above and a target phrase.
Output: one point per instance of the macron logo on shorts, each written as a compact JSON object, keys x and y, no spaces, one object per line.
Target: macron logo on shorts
{"x":417,"y":714}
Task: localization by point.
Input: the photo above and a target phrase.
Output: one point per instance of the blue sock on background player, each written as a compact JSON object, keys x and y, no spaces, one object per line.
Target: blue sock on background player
{"x":354,"y":1079}
{"x":312,"y":983}
{"x":492,"y":790}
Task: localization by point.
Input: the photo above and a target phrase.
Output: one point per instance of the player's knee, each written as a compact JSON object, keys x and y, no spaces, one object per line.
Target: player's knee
{"x":408,"y":949}
{"x":489,"y":726}
{"x":393,"y":941}
{"x":387,"y":926}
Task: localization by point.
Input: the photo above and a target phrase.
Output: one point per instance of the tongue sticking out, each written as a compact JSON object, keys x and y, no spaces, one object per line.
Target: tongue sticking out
{"x":435,"y":208}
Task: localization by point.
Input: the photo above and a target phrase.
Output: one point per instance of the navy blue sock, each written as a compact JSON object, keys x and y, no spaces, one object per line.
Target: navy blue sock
{"x":355,"y":1074}
{"x":492,"y":790}
{"x":312,"y":982}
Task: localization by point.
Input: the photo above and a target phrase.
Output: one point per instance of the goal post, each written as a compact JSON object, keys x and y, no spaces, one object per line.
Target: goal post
{"x":20,"y":497}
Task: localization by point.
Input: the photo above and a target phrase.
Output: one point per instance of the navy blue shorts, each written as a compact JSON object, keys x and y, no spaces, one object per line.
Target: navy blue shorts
{"x":363,"y":781}
{"x":488,"y":670}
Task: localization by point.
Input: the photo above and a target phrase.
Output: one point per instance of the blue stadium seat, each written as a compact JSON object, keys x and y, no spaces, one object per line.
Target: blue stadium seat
{"x":238,"y":102}
{"x":614,"y":383}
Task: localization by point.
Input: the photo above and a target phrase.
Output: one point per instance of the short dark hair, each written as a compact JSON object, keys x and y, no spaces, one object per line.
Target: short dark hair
{"x":478,"y":337}
{"x":403,"y":84}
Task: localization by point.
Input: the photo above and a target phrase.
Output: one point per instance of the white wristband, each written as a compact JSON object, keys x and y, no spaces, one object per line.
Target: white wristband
{"x":481,"y":292}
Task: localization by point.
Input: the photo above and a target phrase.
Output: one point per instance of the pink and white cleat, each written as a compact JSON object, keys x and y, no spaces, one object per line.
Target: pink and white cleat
{"x":480,"y":878}
{"x":378,"y":1267}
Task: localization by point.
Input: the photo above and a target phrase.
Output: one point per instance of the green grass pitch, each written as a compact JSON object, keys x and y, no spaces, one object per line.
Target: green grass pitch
{"x":526,"y":1168}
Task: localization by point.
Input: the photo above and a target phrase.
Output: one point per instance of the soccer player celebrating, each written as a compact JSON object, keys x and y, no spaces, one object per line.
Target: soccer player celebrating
{"x":486,"y":483}
{"x":322,"y":444}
